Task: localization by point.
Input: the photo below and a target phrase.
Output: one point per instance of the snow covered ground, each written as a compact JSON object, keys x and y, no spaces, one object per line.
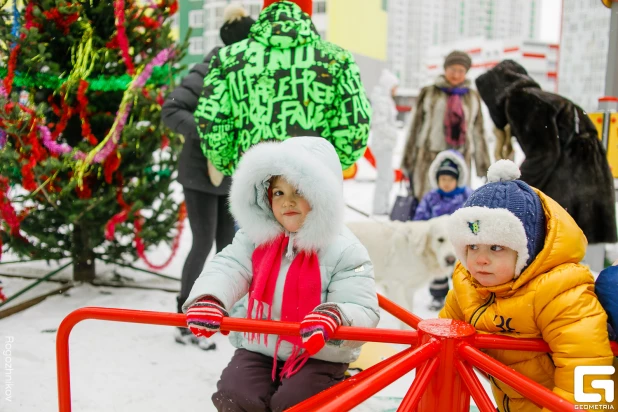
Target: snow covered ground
{"x":129,"y":367}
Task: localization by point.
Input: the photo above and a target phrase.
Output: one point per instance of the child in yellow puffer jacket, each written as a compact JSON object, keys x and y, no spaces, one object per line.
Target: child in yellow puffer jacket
{"x":519,"y":275}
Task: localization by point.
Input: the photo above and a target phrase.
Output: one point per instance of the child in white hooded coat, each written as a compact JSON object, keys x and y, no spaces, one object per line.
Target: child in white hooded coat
{"x":297,"y":262}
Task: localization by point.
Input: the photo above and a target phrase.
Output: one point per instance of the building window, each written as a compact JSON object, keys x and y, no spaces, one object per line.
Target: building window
{"x":196,"y":19}
{"x":196,"y":45}
{"x":206,"y":18}
{"x":319,"y":7}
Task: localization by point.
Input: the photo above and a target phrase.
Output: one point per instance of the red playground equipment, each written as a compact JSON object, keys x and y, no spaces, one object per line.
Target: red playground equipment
{"x":372,"y":161}
{"x":443,"y":351}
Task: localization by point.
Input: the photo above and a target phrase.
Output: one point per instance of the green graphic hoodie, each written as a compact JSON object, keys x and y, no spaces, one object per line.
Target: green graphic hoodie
{"x":283,"y":81}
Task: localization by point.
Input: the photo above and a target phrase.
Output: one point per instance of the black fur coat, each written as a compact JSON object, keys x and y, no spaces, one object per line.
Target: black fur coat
{"x":564,"y":156}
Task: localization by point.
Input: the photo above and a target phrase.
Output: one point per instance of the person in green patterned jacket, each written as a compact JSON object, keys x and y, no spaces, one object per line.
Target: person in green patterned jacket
{"x":283,"y":81}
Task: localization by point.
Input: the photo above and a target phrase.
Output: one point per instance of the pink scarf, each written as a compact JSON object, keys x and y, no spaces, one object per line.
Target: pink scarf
{"x":302,"y":292}
{"x":454,"y":119}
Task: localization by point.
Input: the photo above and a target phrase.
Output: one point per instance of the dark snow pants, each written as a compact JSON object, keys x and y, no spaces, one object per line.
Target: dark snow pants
{"x":439,"y":288}
{"x":246,"y":383}
{"x":210,"y":222}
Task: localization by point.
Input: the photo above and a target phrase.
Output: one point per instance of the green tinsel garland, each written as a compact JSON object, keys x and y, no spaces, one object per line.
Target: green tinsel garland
{"x":160,"y":76}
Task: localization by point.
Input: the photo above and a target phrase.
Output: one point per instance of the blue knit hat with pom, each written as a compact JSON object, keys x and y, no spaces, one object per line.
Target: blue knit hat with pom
{"x":505,"y":212}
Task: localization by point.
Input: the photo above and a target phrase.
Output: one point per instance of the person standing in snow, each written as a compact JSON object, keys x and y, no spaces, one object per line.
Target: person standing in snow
{"x":519,"y":275}
{"x":293,"y":260}
{"x":383,"y":138}
{"x":448,"y":116}
{"x":205,"y":189}
{"x":449,"y":175}
{"x":564,"y":156}
{"x":284,"y":81}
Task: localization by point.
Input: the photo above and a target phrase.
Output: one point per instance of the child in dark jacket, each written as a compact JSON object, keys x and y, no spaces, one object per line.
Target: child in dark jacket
{"x":606,"y":288}
{"x":447,"y":174}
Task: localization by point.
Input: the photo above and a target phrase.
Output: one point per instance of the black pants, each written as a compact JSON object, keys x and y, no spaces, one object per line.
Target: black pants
{"x":439,"y":288}
{"x":210,"y":222}
{"x":246,"y":383}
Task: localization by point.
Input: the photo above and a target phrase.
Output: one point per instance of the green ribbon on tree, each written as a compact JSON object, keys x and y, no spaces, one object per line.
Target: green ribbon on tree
{"x":151,"y":175}
{"x":160,"y":77}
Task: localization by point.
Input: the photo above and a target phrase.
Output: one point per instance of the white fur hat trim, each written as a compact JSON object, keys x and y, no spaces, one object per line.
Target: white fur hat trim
{"x":479,"y":225}
{"x":310,"y":164}
{"x":234,"y":12}
{"x":455,"y":158}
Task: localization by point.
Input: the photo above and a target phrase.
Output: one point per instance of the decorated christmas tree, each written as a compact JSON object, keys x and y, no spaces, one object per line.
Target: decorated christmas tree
{"x":85,"y":162}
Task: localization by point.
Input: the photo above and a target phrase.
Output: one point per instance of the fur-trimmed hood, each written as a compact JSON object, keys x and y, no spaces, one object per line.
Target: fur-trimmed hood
{"x":455,"y":157}
{"x":497,"y":84}
{"x":308,"y":163}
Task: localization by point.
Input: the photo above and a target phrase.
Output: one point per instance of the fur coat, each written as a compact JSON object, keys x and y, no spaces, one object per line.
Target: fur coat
{"x":426,"y":138}
{"x":564,"y":156}
{"x":311,"y":165}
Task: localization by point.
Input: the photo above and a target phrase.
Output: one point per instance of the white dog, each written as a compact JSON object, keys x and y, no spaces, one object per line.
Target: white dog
{"x":406,"y":255}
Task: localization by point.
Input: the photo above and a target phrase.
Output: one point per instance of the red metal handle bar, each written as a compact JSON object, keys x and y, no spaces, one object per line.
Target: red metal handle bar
{"x":369,"y":386}
{"x":421,"y":380}
{"x":475,"y":387}
{"x":335,"y":391}
{"x":108,"y":314}
{"x":399,"y":312}
{"x":406,"y":337}
{"x":525,"y":386}
{"x":176,"y":319}
{"x":508,"y":343}
{"x":505,"y":342}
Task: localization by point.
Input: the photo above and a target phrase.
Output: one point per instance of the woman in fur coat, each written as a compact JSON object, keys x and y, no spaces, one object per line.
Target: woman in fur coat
{"x":293,"y":260}
{"x":564,"y":156}
{"x":448,"y":116}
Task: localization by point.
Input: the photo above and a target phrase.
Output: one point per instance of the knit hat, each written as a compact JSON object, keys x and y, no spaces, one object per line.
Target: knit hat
{"x":305,"y":5}
{"x":505,"y":212}
{"x":457,"y":162}
{"x":449,"y":168}
{"x":458,"y":57}
{"x":237,"y":24}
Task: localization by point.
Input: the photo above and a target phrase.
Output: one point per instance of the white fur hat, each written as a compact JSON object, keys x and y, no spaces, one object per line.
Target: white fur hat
{"x":310,"y":164}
